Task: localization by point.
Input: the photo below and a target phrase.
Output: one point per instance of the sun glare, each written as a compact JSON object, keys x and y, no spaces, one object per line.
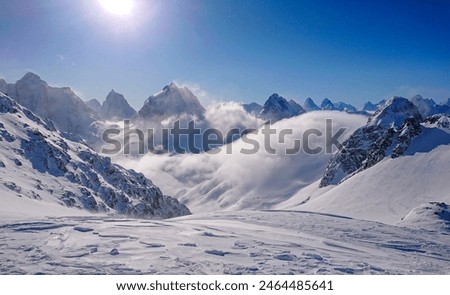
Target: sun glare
{"x":118,"y":7}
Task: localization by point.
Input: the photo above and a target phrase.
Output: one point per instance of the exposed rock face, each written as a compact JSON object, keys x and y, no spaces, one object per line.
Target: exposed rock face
{"x":388,"y":133}
{"x":277,"y":108}
{"x":116,"y":108}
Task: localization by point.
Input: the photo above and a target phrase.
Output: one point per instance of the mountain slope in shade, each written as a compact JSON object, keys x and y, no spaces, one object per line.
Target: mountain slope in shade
{"x":252,"y":108}
{"x":38,"y":164}
{"x":172,"y":101}
{"x":116,"y":108}
{"x":277,"y":107}
{"x":327,"y":105}
{"x":446,"y":102}
{"x":94,"y":105}
{"x":242,"y":242}
{"x":61,"y":105}
{"x":309,"y":105}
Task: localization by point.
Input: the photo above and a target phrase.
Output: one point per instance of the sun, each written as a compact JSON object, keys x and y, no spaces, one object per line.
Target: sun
{"x":118,"y":7}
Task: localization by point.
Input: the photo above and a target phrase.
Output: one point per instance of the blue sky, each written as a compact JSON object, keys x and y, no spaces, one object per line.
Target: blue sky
{"x":233,"y":50}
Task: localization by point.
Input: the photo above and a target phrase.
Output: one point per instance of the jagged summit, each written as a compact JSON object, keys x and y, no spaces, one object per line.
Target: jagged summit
{"x":172,"y":101}
{"x":277,"y":107}
{"x":394,"y":113}
{"x":116,"y":107}
{"x":309,"y":105}
{"x":389,"y":132}
{"x":327,"y":105}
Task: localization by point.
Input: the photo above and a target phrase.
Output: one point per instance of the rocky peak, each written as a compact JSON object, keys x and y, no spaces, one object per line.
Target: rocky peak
{"x":389,"y":132}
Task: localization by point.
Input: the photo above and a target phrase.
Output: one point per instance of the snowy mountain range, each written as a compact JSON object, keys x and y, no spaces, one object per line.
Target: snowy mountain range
{"x":383,"y":193}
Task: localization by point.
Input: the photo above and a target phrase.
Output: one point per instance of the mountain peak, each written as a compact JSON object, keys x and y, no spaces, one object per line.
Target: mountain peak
{"x":310,"y":105}
{"x":116,"y":107}
{"x":327,"y":104}
{"x":277,"y":107}
{"x":172,"y":101}
{"x":394,"y":113}
{"x":31,"y":78}
{"x":172,"y":86}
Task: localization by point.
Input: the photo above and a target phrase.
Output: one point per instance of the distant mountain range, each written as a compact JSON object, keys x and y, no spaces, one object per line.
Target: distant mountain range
{"x":45,"y":134}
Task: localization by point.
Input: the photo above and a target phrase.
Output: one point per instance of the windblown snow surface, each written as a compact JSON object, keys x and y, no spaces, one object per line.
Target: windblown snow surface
{"x":243,"y":242}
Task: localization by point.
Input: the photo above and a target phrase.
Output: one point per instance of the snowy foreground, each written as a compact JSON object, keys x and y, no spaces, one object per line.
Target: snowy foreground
{"x":245,"y":242}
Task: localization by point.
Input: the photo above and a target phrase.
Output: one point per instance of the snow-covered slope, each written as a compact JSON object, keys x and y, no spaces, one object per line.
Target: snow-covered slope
{"x":61,"y":105}
{"x":171,"y":101}
{"x":116,"y":108}
{"x":388,"y":133}
{"x":369,"y":107}
{"x":345,"y":107}
{"x":390,"y":187}
{"x":434,"y":216}
{"x":245,"y":242}
{"x":37,"y":163}
{"x":277,"y":108}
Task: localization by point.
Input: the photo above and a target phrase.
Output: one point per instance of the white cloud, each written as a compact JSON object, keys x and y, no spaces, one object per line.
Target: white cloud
{"x":228,"y":115}
{"x":208,"y":182}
